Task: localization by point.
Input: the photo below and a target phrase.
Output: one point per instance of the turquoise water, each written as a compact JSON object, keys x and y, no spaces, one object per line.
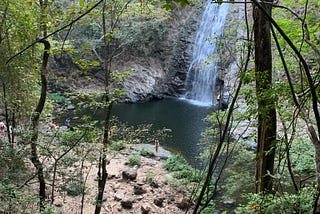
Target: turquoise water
{"x":185,"y":119}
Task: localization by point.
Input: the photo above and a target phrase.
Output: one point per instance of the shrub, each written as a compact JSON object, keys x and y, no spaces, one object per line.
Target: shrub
{"x":150,"y":175}
{"x":181,"y":169}
{"x":57,"y":97}
{"x":74,"y":186}
{"x":134,"y":160}
{"x":188,"y":176}
{"x":118,"y":145}
{"x":13,"y":200}
{"x":285,"y":203}
{"x":146,"y":152}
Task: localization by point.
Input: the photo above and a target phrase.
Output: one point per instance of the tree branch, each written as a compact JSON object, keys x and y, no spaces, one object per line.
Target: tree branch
{"x":302,"y":60}
{"x":54,"y":32}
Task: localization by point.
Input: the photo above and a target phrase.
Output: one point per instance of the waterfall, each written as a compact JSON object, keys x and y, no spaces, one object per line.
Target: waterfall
{"x":203,"y":70}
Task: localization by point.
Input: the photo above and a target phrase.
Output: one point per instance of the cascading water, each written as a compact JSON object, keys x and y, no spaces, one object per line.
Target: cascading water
{"x":203,"y":70}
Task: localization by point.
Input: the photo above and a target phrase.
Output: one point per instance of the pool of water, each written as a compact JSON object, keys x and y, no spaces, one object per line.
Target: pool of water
{"x":185,"y":119}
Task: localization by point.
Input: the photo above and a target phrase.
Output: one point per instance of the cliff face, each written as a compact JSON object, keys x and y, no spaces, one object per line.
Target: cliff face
{"x":231,"y":53}
{"x":157,"y":71}
{"x":158,"y":67}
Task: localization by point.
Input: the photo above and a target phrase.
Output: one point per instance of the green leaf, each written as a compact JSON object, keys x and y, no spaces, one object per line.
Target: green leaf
{"x":29,"y":4}
{"x":81,"y":3}
{"x":95,"y":63}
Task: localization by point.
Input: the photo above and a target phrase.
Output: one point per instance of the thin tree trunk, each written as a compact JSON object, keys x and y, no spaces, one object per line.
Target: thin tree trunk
{"x":35,"y":125}
{"x":266,"y":104}
{"x":102,"y":172}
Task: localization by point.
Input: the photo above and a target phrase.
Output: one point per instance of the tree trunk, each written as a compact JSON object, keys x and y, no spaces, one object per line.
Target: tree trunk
{"x":103,"y":162}
{"x":35,"y":123}
{"x":266,"y":104}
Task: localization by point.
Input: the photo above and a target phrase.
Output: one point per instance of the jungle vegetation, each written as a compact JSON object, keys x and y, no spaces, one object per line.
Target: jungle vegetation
{"x":276,"y":94}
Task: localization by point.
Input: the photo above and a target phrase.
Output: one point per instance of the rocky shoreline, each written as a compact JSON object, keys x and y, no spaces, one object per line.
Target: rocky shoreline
{"x":148,"y":188}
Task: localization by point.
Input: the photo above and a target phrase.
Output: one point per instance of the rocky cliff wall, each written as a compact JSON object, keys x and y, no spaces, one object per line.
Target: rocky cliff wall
{"x":161,"y":70}
{"x":231,"y":53}
{"x":156,"y":72}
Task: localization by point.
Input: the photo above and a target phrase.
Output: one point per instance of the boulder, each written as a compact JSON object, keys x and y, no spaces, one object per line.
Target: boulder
{"x":119,"y":195}
{"x":158,"y":202}
{"x":138,"y":190}
{"x":154,"y":184}
{"x":130,"y":174}
{"x":127,"y":203}
{"x":183,"y":203}
{"x":145,"y":209}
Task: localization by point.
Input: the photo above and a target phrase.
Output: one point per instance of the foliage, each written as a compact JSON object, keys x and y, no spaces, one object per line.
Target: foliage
{"x":118,"y":145}
{"x":150,"y":175}
{"x":239,"y":174}
{"x":12,"y":165}
{"x":57,"y":97}
{"x":146,"y":152}
{"x":15,"y":200}
{"x":142,"y":24}
{"x":134,"y":160}
{"x":74,"y":186}
{"x":190,"y":178}
{"x":302,"y":156}
{"x":18,"y":79}
{"x":285,"y":203}
{"x":140,"y":35}
{"x":182,"y":170}
{"x":170,"y":4}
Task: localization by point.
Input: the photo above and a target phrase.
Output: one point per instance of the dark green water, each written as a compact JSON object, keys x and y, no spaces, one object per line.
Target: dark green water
{"x":186,"y":121}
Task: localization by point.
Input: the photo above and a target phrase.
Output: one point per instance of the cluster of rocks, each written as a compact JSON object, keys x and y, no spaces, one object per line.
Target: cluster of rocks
{"x":144,"y":189}
{"x":147,"y":189}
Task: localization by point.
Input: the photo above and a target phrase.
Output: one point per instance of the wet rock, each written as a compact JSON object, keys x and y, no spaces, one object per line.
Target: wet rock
{"x":130,"y":174}
{"x":158,"y":202}
{"x":127,"y":203}
{"x":143,"y":83}
{"x":138,"y":190}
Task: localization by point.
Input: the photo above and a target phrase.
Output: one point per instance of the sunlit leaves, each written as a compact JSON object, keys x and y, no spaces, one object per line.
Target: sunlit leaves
{"x":18,"y":29}
{"x":81,"y":3}
{"x":86,"y":64}
{"x":170,"y":4}
{"x":109,"y":36}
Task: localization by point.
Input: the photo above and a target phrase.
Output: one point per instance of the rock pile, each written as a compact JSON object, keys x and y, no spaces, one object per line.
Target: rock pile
{"x":144,"y":189}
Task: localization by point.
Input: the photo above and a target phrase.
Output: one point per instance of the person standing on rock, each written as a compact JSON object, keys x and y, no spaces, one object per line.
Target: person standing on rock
{"x":157,"y":145}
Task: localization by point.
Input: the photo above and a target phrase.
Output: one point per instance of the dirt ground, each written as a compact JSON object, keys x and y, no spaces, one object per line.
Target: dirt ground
{"x":152,"y":191}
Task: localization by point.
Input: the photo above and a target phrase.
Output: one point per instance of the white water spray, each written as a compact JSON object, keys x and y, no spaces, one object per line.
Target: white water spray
{"x":203,"y":70}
